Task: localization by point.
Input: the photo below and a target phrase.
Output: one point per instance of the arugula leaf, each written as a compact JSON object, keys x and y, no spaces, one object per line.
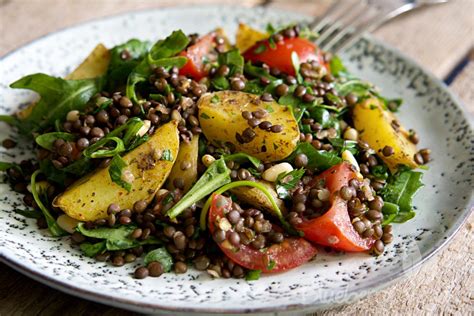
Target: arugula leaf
{"x":47,"y":140}
{"x":354,"y":86}
{"x":91,"y":250}
{"x":220,"y":83}
{"x":257,"y":72}
{"x":337,"y":67}
{"x":117,"y":238}
{"x":161,"y":54}
{"x":253,"y":275}
{"x":379,"y":172}
{"x":216,"y":175}
{"x":399,"y":190}
{"x":287,"y":181}
{"x":54,"y":228}
{"x":317,"y":159}
{"x":162,"y":256}
{"x":340,"y":145}
{"x":120,"y":68}
{"x":58,"y":97}
{"x":116,"y":170}
{"x":323,"y":117}
{"x":4,"y":166}
{"x":233,"y":59}
{"x":242,"y":157}
{"x":29,"y":213}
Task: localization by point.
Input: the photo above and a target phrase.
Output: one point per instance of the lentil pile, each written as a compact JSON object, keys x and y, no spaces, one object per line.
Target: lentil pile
{"x":222,"y":207}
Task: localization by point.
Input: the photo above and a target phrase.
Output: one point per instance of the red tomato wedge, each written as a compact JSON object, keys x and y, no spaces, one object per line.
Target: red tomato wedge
{"x":280,"y":55}
{"x":292,"y":252}
{"x":334,"y":228}
{"x":195,"y":54}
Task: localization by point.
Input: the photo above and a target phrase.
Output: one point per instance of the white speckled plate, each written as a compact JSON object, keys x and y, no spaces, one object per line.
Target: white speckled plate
{"x":330,"y":279}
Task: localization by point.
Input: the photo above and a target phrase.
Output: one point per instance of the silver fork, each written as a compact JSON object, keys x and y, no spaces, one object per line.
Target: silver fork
{"x":346,"y":20}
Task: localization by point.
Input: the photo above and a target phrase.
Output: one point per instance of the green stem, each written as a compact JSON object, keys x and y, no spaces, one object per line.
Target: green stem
{"x":256,"y":185}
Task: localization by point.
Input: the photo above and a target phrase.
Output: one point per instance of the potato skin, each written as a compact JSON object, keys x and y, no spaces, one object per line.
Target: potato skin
{"x":188,"y":152}
{"x":374,"y":125}
{"x":256,"y":198}
{"x":220,"y":117}
{"x":89,"y":197}
{"x":93,"y":66}
{"x":246,"y":37}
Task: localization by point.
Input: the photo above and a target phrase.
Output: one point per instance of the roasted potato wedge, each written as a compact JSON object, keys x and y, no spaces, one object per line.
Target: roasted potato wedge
{"x":220,"y":117}
{"x":93,"y":66}
{"x":89,"y":197}
{"x":376,"y":127}
{"x":246,"y":37}
{"x":187,"y":156}
{"x":256,"y":198}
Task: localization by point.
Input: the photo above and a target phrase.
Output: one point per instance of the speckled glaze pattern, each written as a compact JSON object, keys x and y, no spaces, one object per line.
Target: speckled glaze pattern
{"x":331,"y":278}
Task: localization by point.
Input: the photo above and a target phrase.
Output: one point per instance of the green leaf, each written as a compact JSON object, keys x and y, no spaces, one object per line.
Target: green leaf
{"x":91,"y":250}
{"x":47,"y":140}
{"x":167,"y":155}
{"x":337,"y":67}
{"x":379,"y":172}
{"x":317,"y":159}
{"x":117,"y":165}
{"x":287,"y":181}
{"x":29,"y":213}
{"x":243,"y":157}
{"x":161,"y":54}
{"x":233,"y":60}
{"x":271,"y":264}
{"x":10,"y":120}
{"x":119,"y":69}
{"x":253,"y":275}
{"x":58,"y":97}
{"x":116,"y":238}
{"x":260,"y":49}
{"x":340,"y":145}
{"x":4,"y":166}
{"x":216,"y":175}
{"x":354,"y":86}
{"x":257,"y":72}
{"x":54,"y":228}
{"x":220,"y":83}
{"x":400,"y":189}
{"x":162,"y":256}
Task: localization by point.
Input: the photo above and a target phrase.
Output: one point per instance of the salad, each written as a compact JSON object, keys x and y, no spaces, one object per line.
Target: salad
{"x":236,"y":160}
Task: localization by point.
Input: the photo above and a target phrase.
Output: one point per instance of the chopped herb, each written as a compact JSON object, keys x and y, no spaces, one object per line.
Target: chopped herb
{"x":214,"y":99}
{"x":260,"y":49}
{"x":295,"y":60}
{"x":204,"y":115}
{"x":116,"y":169}
{"x":167,"y":155}
{"x":253,"y":275}
{"x":287,"y":181}
{"x":271,"y":264}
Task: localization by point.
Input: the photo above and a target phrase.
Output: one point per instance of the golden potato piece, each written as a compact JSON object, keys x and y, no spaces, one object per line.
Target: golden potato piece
{"x":89,"y":197}
{"x":257,"y":199}
{"x":186,"y":164}
{"x":93,"y":66}
{"x":246,"y":37}
{"x":375,"y":126}
{"x":220,"y":117}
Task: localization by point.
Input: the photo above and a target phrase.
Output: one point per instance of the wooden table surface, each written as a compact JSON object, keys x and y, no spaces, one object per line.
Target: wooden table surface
{"x":438,"y":38}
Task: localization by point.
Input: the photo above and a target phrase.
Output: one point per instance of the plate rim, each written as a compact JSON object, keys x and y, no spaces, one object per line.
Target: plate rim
{"x":9,"y":259}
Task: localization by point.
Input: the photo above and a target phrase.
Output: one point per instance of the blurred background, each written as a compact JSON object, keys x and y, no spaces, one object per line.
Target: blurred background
{"x":440,"y":38}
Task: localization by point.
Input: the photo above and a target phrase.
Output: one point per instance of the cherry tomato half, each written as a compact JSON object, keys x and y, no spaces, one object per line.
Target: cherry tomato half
{"x":280,"y":55}
{"x":196,"y":54}
{"x":292,"y":252}
{"x":334,"y":228}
